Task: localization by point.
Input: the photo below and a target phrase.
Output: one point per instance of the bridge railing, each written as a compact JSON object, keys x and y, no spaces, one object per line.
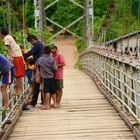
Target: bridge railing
{"x":14,"y":103}
{"x":119,"y":76}
{"x":128,"y":44}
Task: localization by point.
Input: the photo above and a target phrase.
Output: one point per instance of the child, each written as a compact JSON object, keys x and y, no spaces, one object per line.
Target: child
{"x":28,"y":69}
{"x":59,"y":74}
{"x":46,"y":64}
{"x":15,"y":56}
{"x":6,"y":70}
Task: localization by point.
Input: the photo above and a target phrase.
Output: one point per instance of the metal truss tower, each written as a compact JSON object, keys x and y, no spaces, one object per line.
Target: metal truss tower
{"x":89,"y":22}
{"x":39,"y":12}
{"x":88,"y":14}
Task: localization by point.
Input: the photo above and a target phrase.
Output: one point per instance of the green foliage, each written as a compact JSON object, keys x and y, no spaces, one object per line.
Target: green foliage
{"x":29,"y":13}
{"x":65,"y":12}
{"x":3,"y":49}
{"x":20,"y":39}
{"x":80,"y":45}
{"x":100,"y":7}
{"x":135,"y":8}
{"x":46,"y":36}
{"x":124,"y":20}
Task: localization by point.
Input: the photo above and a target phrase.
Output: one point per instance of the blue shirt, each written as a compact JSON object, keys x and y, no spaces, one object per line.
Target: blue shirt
{"x":5,"y":64}
{"x":36,"y":51}
{"x":47,"y":66}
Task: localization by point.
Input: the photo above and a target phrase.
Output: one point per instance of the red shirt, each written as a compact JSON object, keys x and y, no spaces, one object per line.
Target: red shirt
{"x":59,"y":59}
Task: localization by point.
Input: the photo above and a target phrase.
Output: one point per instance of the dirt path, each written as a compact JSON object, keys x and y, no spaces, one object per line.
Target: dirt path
{"x":68,"y":49}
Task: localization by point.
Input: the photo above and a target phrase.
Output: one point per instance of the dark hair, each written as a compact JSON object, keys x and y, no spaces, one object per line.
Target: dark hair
{"x":53,"y":46}
{"x":14,"y":37}
{"x":30,"y":37}
{"x":47,"y":50}
{"x":21,"y":46}
{"x":4,"y":31}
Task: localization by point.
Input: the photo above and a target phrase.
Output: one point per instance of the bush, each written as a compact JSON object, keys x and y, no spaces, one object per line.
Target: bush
{"x":3,"y":49}
{"x":80,"y":45}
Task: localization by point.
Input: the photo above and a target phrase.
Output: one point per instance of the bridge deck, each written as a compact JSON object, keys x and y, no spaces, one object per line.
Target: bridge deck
{"x":85,"y":115}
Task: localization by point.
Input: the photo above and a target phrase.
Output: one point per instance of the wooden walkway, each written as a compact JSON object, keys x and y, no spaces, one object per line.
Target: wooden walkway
{"x":85,"y":115}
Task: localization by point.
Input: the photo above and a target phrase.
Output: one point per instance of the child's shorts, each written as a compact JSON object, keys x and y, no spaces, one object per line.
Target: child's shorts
{"x":48,"y":86}
{"x":19,"y":66}
{"x":8,"y":77}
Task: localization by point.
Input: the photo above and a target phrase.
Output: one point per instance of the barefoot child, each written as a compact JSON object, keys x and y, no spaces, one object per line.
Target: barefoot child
{"x":47,"y":67}
{"x":28,"y":70}
{"x":59,"y":59}
{"x":7,"y":77}
{"x":15,"y":56}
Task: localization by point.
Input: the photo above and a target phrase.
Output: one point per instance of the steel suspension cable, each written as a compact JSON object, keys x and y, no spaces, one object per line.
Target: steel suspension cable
{"x":129,"y":30}
{"x":113,"y":22}
{"x":115,"y":19}
{"x":24,"y":22}
{"x":9,"y":17}
{"x":125,"y":49}
{"x":119,"y":22}
{"x":137,"y":39}
{"x":125,"y":31}
{"x":101,"y":38}
{"x":104,"y":39}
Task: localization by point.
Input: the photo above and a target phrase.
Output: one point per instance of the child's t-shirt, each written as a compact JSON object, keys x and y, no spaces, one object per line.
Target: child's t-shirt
{"x":5,"y":64}
{"x":59,"y":59}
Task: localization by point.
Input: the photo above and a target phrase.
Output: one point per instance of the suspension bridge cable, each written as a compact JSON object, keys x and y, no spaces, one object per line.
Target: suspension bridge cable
{"x":104,"y":38}
{"x":115,"y":24}
{"x":119,"y":19}
{"x":123,"y":24}
{"x":123,"y":16}
{"x":24,"y":22}
{"x":129,"y":29}
{"x":9,"y":17}
{"x":137,"y":39}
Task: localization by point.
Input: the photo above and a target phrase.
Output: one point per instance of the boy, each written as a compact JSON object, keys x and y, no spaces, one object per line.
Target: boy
{"x":59,"y":59}
{"x":47,"y":67}
{"x":15,"y":56}
{"x":28,"y":69}
{"x":7,"y":78}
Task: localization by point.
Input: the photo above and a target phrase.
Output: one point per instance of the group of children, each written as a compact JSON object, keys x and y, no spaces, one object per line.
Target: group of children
{"x":47,"y":63}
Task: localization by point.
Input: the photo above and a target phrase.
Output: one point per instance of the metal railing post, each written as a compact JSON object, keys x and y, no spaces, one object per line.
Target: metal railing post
{"x":136,"y":96}
{"x":0,"y":106}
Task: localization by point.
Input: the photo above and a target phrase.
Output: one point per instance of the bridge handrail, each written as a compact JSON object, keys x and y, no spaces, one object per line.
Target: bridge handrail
{"x":14,"y":102}
{"x":118,"y":75}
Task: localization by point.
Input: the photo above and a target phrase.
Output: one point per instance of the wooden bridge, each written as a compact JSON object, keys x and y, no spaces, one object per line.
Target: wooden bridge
{"x":85,"y":113}
{"x":101,"y":101}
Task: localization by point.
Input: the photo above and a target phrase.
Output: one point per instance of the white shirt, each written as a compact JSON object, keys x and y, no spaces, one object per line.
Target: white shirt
{"x":10,"y":42}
